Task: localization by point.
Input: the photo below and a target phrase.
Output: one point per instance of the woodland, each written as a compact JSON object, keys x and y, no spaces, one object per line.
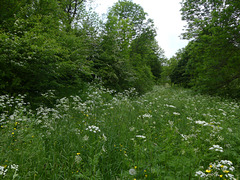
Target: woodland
{"x":62,"y":45}
{"x":86,"y":97}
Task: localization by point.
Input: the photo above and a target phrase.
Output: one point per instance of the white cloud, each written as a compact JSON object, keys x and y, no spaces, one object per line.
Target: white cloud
{"x":167,"y":19}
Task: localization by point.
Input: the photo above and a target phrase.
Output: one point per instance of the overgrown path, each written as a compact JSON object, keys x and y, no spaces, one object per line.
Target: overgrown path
{"x":168,"y":133}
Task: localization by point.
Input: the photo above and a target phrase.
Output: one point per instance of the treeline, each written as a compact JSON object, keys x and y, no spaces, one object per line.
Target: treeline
{"x":60,"y":44}
{"x":210,"y":63}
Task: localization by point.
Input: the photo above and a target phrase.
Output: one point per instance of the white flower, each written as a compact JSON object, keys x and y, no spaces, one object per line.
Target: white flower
{"x":171,"y":106}
{"x":200,"y":173}
{"x":185,"y":137}
{"x":132,"y":172}
{"x":104,"y":137}
{"x":226,"y":162}
{"x":189,"y":118}
{"x":15,"y":167}
{"x":202,"y":123}
{"x":141,"y":136}
{"x":3,"y":171}
{"x":78,"y":159}
{"x":103,"y":148}
{"x":93,"y":129}
{"x":230,"y":130}
{"x":85,"y":138}
{"x":216,"y":148}
{"x":176,"y":113}
{"x":147,"y":115}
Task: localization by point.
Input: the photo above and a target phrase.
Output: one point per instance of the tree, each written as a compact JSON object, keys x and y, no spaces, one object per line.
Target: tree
{"x":130,"y":55}
{"x":169,"y":66}
{"x":180,"y":74}
{"x":36,"y":54}
{"x":214,"y":27}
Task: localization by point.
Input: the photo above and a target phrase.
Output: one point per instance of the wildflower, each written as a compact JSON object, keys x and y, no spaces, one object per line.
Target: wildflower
{"x":132,"y":172}
{"x":208,"y":170}
{"x":204,"y":123}
{"x":171,"y":106}
{"x":230,"y":130}
{"x":141,"y":136}
{"x":3,"y":171}
{"x":85,"y":138}
{"x":78,"y":159}
{"x":15,"y":167}
{"x":104,"y":138}
{"x":176,"y":113}
{"x":226,"y":171}
{"x":217,"y":169}
{"x":216,"y":148}
{"x":93,"y":129}
{"x":200,"y":173}
{"x":78,"y":153}
{"x":147,"y":115}
{"x":103,"y":148}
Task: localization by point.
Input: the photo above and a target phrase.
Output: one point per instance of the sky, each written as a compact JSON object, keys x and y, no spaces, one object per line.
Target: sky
{"x":167,"y":19}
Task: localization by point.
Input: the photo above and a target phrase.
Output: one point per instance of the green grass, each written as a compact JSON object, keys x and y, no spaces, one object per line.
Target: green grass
{"x":167,"y":133}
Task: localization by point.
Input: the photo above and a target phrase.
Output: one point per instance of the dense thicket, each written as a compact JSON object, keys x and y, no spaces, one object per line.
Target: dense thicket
{"x":61,"y":44}
{"x":211,"y":61}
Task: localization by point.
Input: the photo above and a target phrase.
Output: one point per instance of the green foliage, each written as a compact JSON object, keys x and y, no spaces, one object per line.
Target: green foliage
{"x":129,"y":55}
{"x":214,"y":57}
{"x":102,"y":134}
{"x":179,"y":74}
{"x":59,"y":44}
{"x":37,"y":55}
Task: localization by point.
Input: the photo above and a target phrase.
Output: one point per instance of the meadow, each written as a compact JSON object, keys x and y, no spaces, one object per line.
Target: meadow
{"x":168,"y":133}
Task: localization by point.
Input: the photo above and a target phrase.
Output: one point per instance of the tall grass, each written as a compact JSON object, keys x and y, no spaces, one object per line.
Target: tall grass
{"x":165,"y":134}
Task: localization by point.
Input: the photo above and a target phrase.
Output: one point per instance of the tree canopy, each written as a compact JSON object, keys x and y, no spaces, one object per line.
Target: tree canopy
{"x":61,"y":44}
{"x":213,"y":61}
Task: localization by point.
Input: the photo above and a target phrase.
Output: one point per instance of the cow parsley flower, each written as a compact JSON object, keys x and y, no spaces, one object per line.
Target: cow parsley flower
{"x":14,"y":167}
{"x":141,"y":136}
{"x":147,"y":115}
{"x":222,"y":169}
{"x":216,"y":148}
{"x":93,"y":128}
{"x":3,"y":171}
{"x":176,"y":113}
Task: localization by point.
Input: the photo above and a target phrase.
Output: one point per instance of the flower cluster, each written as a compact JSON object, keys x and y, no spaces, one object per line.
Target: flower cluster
{"x":3,"y":171}
{"x":204,"y":123}
{"x":93,"y":129}
{"x":216,"y":148}
{"x":220,"y":169}
{"x":141,"y":136}
{"x":146,"y":115}
{"x":176,"y":113}
{"x":78,"y":158}
{"x":171,"y":106}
